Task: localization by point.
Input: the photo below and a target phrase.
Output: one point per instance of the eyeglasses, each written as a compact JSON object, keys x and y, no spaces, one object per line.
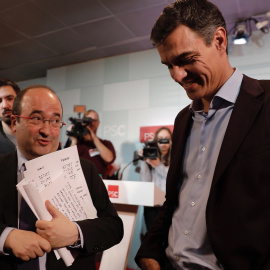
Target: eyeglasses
{"x":39,"y":121}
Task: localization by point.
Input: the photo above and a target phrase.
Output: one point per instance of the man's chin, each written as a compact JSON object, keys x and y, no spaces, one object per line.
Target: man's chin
{"x":41,"y":150}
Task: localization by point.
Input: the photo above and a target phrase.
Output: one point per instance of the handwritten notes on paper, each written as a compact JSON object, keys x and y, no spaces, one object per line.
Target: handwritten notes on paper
{"x":57,"y":177}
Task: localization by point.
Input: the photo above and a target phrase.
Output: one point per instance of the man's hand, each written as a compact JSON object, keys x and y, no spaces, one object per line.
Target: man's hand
{"x":92,"y":135}
{"x":149,"y":264}
{"x":60,"y":231}
{"x":26,"y":245}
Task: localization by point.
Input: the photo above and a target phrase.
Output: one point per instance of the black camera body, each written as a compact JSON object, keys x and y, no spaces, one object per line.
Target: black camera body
{"x":79,"y":128}
{"x":151,"y":150}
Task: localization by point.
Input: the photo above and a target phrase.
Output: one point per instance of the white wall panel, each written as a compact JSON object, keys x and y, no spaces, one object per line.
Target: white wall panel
{"x":126,"y":95}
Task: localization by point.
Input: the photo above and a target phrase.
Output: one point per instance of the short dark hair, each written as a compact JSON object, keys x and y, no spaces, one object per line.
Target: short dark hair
{"x":6,"y":82}
{"x":201,"y":16}
{"x":17,"y":106}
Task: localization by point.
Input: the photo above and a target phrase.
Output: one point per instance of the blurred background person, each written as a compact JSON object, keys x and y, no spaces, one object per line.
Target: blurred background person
{"x":8,"y":92}
{"x":155,"y":170}
{"x":100,"y":152}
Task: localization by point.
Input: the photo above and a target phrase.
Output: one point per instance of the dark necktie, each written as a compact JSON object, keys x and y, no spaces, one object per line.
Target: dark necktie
{"x":27,"y":222}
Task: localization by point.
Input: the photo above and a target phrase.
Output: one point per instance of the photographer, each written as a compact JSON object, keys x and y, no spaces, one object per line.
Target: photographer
{"x":100,"y":152}
{"x":155,"y":170}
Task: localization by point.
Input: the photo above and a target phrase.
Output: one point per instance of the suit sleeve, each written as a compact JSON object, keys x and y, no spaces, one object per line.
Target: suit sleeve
{"x":153,"y":245}
{"x":106,"y":230}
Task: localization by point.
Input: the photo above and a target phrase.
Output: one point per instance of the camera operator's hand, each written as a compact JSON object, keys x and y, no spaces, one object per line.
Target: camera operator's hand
{"x":73,"y":140}
{"x":140,"y":153}
{"x":153,"y":162}
{"x":90,"y":136}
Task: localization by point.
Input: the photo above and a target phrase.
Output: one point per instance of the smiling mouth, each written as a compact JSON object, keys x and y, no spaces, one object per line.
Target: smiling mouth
{"x":187,"y":84}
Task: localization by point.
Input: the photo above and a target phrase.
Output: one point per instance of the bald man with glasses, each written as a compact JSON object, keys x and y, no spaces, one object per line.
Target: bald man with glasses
{"x":37,"y":120}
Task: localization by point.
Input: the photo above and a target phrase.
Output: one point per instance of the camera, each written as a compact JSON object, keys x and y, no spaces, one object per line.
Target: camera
{"x":151,"y":150}
{"x":79,"y":128}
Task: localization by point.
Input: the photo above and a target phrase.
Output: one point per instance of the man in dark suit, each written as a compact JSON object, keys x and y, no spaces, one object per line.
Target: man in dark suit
{"x":8,"y":92}
{"x":37,"y":114}
{"x":216,"y":213}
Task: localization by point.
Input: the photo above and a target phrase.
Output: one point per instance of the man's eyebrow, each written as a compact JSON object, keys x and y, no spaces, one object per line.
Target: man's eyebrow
{"x":36,"y":111}
{"x":181,"y":57}
{"x":40,"y":112}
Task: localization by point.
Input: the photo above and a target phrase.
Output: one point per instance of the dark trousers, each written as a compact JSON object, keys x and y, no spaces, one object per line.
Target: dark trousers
{"x":150,"y":213}
{"x":167,"y":265}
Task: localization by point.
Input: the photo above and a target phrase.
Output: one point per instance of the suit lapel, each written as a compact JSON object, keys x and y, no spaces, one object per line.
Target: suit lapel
{"x":244,"y":113}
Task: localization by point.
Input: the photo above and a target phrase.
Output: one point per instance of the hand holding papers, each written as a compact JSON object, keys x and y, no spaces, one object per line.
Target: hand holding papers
{"x":58,"y":177}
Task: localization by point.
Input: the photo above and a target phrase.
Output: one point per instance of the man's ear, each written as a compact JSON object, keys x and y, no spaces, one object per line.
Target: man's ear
{"x":13,"y":120}
{"x":220,"y":39}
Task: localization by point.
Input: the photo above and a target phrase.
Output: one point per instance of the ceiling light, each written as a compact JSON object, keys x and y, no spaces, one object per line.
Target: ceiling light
{"x":242,"y":29}
{"x":240,"y":35}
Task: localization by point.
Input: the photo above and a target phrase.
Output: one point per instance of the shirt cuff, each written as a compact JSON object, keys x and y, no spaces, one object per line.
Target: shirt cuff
{"x":80,"y":242}
{"x":3,"y":238}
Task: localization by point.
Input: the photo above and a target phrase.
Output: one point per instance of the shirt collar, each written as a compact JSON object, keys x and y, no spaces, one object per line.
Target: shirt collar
{"x":229,"y":92}
{"x":21,"y":160}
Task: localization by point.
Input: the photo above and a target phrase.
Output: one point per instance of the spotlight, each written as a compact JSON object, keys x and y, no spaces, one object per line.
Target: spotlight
{"x":240,"y":35}
{"x":242,"y":29}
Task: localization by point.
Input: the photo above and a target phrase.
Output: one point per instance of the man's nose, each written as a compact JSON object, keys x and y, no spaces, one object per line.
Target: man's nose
{"x":6,"y":104}
{"x":45,"y":128}
{"x":178,"y":73}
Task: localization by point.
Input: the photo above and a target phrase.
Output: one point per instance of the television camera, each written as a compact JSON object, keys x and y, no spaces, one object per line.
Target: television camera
{"x":79,"y":128}
{"x":151,"y":150}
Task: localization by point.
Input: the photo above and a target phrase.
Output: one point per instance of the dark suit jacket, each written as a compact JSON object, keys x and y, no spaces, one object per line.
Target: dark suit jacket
{"x":238,"y":208}
{"x":6,"y":146}
{"x":99,"y":234}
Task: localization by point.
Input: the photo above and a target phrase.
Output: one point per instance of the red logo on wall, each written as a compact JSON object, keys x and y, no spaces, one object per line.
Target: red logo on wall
{"x":113,"y":191}
{"x":147,"y":133}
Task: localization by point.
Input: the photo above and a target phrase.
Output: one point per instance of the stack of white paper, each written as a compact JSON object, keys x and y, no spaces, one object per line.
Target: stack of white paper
{"x":58,"y":177}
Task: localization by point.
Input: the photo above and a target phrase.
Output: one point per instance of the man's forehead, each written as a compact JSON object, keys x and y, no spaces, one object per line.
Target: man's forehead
{"x":7,"y":91}
{"x":93,"y":114}
{"x":43,"y":101}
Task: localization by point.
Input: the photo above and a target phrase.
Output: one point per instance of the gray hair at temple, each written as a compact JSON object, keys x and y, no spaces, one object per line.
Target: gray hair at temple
{"x":201,"y":16}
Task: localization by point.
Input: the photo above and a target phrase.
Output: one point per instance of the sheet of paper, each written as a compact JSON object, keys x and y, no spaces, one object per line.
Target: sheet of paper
{"x":43,"y":213}
{"x":43,"y":171}
{"x":58,"y":177}
{"x":69,"y":198}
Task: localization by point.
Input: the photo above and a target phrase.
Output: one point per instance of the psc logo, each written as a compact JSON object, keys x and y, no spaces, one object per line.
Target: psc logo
{"x":113,"y":191}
